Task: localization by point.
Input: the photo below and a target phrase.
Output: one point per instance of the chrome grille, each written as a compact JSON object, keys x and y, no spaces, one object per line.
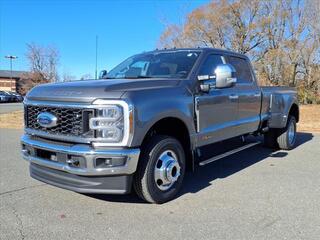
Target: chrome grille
{"x":71,"y":121}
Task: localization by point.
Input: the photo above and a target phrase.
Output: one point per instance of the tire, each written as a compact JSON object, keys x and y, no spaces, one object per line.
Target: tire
{"x":287,"y":137}
{"x":270,"y":138}
{"x":161,"y":154}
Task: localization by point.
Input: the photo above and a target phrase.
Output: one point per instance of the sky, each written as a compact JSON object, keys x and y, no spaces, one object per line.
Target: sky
{"x":123,"y":28}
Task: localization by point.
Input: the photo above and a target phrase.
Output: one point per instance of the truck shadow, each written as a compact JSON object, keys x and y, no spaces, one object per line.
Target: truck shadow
{"x":203,"y":176}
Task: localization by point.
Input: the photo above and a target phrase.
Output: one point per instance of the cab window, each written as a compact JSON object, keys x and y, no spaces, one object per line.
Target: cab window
{"x":210,"y":64}
{"x":242,"y":67}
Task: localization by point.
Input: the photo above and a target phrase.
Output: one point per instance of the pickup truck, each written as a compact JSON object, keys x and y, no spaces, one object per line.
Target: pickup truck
{"x":151,"y":118}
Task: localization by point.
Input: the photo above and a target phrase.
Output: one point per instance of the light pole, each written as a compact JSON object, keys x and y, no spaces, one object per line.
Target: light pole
{"x":11,"y":57}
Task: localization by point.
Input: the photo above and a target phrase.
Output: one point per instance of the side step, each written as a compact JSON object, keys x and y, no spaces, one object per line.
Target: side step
{"x":215,"y":158}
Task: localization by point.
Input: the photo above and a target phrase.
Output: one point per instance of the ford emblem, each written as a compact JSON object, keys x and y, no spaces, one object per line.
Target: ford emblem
{"x":47,"y":120}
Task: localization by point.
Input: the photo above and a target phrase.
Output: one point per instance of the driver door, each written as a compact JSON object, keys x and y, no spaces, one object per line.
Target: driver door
{"x":217,"y":110}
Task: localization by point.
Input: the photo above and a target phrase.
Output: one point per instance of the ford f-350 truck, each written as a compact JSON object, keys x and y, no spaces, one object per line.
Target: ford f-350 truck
{"x":153,"y":116}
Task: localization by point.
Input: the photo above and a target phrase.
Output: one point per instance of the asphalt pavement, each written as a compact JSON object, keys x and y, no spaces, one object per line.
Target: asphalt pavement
{"x":255,"y":194}
{"x":10,"y":107}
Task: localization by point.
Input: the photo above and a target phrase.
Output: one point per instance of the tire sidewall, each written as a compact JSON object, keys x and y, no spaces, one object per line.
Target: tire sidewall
{"x":172,"y":144}
{"x":292,"y":120}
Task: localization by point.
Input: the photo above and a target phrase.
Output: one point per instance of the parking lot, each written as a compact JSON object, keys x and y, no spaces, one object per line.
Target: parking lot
{"x":256,"y":194}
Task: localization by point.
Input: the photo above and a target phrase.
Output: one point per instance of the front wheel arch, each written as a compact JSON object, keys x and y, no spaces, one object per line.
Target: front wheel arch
{"x":176,"y":128}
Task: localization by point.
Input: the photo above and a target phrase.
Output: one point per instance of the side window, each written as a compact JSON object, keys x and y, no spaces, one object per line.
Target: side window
{"x":210,"y":64}
{"x":140,"y":66}
{"x":243,"y":73}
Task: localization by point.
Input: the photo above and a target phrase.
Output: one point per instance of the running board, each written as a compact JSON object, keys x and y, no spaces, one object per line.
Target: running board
{"x":215,"y":158}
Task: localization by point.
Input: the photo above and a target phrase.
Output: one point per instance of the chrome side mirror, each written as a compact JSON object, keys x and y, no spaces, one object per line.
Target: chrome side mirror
{"x":103,"y":74}
{"x":225,"y":76}
{"x":207,"y":82}
{"x":207,"y":85}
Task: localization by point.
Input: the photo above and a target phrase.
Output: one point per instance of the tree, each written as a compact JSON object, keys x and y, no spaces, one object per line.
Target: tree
{"x":67,"y":77}
{"x":237,"y":26}
{"x":282,"y":38}
{"x":43,"y":62}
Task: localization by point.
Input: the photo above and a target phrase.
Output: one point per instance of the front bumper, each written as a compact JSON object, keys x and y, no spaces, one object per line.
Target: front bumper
{"x":119,"y":184}
{"x":53,"y":163}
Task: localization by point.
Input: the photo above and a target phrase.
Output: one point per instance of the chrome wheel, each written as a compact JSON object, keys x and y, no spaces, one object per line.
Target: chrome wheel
{"x":166,"y":170}
{"x":292,"y":132}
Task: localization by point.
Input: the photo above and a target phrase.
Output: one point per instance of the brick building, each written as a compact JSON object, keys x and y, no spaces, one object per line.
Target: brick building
{"x":7,"y":83}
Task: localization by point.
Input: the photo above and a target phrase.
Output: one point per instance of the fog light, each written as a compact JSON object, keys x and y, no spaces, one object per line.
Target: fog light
{"x":26,"y":150}
{"x":108,"y":162}
{"x":101,"y":162}
{"x":76,"y":161}
{"x":73,"y":162}
{"x":53,"y":157}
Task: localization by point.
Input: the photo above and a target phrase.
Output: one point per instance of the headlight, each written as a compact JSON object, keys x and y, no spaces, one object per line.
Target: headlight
{"x":112,"y":122}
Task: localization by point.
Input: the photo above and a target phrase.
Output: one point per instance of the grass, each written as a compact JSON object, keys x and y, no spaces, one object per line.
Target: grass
{"x":309,"y":119}
{"x":13,"y":120}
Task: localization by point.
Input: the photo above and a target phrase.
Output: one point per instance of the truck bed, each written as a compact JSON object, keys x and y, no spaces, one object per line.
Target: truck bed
{"x":275,"y":101}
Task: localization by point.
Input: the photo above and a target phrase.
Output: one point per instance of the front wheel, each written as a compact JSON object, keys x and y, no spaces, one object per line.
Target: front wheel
{"x":160,"y":170}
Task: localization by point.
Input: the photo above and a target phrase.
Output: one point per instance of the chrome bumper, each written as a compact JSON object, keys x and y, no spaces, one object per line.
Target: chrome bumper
{"x":89,"y":154}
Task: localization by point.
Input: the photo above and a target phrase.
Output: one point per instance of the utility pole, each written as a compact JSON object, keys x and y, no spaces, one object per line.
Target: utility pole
{"x":96,"y":75}
{"x":11,"y":57}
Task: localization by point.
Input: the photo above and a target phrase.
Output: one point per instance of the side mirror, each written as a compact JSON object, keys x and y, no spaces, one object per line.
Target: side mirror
{"x":223,"y":77}
{"x":103,"y":74}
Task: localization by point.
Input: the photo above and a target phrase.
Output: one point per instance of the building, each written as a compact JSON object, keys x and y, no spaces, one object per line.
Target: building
{"x":8,"y":82}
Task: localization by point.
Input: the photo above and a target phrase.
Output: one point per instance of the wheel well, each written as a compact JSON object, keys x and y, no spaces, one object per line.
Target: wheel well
{"x":294,"y":111}
{"x":176,"y":128}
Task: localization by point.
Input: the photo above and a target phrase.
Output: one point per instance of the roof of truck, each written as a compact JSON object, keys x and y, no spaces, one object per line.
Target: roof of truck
{"x":203,"y":49}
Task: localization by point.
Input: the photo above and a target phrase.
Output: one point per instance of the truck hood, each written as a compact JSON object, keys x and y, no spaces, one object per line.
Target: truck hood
{"x":89,"y":90}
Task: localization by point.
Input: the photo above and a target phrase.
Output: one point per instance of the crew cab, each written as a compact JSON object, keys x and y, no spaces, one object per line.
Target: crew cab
{"x":155,"y":115}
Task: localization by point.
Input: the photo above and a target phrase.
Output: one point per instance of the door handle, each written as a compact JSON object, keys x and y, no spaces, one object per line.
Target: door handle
{"x":257,"y":94}
{"x":233,"y":96}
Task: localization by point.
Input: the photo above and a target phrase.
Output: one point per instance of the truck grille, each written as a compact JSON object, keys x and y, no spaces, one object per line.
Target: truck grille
{"x":72,"y":122}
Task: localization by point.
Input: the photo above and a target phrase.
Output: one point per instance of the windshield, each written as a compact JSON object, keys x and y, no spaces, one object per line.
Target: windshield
{"x":173,"y":64}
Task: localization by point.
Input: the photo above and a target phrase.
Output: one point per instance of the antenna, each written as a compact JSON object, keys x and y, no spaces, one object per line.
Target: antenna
{"x":96,"y":72}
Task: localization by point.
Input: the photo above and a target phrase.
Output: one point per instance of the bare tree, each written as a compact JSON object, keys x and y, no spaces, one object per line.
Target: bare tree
{"x":43,"y":63}
{"x":282,"y":38}
{"x":67,"y":77}
{"x":237,"y":25}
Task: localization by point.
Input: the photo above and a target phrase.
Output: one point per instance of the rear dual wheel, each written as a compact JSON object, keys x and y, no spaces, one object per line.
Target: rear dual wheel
{"x":283,"y":138}
{"x":161,"y":169}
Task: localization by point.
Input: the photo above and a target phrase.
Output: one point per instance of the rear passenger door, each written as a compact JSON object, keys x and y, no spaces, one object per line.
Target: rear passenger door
{"x":249,"y":95}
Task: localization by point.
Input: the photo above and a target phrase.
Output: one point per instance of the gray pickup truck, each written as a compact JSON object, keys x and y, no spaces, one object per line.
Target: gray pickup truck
{"x":148,"y":120}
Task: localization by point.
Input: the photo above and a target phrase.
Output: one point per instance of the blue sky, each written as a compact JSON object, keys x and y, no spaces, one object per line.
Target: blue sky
{"x":124,"y":28}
